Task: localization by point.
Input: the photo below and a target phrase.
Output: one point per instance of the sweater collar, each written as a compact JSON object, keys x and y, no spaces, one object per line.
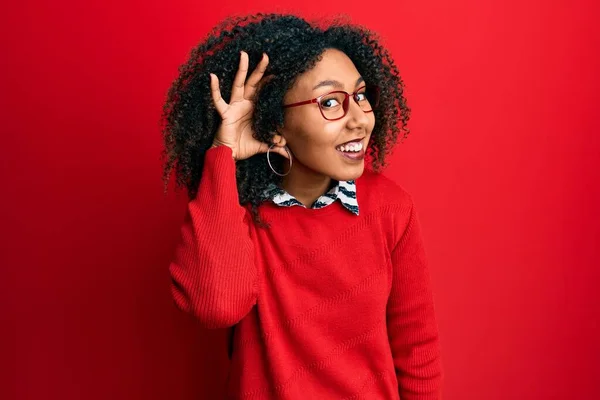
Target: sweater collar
{"x":344,"y":191}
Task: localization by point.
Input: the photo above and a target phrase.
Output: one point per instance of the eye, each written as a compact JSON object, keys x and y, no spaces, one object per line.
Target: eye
{"x":330,"y":103}
{"x":332,"y":100}
{"x":361,"y":96}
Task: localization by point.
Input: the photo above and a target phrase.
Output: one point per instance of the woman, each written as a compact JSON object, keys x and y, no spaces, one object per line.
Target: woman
{"x":316,"y":261}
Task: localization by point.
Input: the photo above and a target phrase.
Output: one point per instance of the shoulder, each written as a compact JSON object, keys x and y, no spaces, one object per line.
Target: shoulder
{"x":377,"y":190}
{"x":385,"y":203}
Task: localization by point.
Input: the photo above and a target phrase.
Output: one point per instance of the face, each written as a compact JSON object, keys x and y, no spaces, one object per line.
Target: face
{"x":321,"y":147}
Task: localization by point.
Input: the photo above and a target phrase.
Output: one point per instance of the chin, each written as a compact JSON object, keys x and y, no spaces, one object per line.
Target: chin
{"x":348,"y":173}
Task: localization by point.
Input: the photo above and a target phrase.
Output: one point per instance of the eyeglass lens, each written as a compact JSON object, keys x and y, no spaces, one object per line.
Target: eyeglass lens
{"x":335,"y":105}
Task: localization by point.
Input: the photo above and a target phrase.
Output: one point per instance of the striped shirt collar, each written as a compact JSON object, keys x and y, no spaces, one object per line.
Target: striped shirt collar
{"x":344,"y":191}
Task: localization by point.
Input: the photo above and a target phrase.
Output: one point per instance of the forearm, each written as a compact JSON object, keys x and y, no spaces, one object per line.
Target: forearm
{"x":412,"y":326}
{"x":213,"y":272}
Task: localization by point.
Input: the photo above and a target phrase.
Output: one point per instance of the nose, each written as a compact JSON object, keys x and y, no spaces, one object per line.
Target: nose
{"x":357,"y":117}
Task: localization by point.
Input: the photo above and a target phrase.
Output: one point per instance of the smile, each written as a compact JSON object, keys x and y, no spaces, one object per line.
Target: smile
{"x":352,"y":150}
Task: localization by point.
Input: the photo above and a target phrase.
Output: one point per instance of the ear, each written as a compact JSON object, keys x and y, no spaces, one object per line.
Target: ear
{"x":279,"y":140}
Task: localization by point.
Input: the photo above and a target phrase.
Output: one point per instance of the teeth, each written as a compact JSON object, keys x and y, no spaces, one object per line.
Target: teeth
{"x":354,"y":147}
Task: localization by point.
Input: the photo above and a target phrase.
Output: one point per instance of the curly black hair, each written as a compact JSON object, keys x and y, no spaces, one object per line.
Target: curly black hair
{"x":190,"y":120}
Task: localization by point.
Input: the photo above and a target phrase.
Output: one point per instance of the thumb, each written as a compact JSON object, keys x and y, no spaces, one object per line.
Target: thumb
{"x":278,"y":149}
{"x":281,"y":150}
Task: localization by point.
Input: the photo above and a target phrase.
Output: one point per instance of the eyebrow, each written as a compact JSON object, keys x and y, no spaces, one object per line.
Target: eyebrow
{"x":336,"y":84}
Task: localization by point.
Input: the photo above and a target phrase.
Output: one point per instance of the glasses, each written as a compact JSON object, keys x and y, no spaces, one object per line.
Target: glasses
{"x":335,"y":105}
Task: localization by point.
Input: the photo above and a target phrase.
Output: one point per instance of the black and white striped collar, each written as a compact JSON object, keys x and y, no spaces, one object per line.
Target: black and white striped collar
{"x":344,"y":191}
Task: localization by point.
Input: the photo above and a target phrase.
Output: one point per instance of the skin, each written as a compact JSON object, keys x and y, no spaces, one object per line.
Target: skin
{"x":311,"y":139}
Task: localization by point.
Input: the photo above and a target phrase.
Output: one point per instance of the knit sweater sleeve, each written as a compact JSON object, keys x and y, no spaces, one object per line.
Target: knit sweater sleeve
{"x":412,"y":327}
{"x":213,"y":273}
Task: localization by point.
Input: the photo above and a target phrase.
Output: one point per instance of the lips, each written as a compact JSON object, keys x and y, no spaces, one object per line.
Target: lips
{"x":355,"y":145}
{"x":350,"y":147}
{"x":353,"y":150}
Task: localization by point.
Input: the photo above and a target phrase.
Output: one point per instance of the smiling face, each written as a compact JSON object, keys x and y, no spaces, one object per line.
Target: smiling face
{"x":328,"y":149}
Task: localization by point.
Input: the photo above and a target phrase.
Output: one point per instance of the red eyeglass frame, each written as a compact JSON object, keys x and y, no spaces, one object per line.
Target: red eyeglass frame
{"x":345,"y":105}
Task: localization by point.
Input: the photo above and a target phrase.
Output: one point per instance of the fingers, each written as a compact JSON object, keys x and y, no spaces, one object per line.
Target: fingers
{"x":280,"y":142}
{"x":237,"y":90}
{"x":218,"y":101}
{"x":279,"y":147}
{"x":254,"y":81}
{"x":241,"y":89}
{"x":280,"y":151}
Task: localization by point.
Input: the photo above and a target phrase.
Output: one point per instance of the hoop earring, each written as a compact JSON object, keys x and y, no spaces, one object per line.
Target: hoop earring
{"x":271,"y":166}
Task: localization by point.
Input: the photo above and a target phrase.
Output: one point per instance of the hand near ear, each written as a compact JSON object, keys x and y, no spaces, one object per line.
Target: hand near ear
{"x":236,"y":131}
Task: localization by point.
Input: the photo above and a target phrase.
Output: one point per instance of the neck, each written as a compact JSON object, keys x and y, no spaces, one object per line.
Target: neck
{"x":305,"y":185}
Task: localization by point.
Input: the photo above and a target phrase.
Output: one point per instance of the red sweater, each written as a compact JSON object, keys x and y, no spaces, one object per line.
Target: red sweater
{"x":328,"y":305}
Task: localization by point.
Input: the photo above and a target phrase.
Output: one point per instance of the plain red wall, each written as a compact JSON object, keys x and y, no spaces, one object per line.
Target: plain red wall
{"x":503,"y":161}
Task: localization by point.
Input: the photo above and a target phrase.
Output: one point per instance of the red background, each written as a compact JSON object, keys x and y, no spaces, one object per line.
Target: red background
{"x":503,"y":160}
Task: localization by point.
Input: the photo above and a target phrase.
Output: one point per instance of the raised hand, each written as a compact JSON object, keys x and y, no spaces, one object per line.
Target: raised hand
{"x":236,"y":131}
